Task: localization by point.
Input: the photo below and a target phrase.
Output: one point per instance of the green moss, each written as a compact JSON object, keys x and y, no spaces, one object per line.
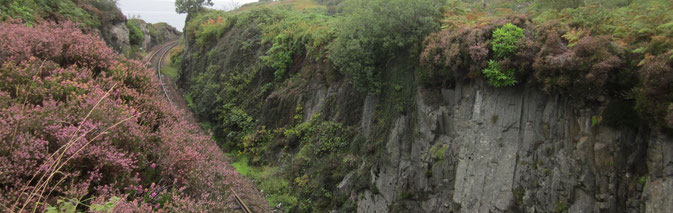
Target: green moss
{"x":561,"y":207}
{"x":642,"y":180}
{"x":518,"y":193}
{"x":438,"y":151}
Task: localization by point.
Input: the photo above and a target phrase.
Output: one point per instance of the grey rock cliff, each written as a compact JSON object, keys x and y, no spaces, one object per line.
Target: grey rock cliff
{"x":147,"y":39}
{"x":117,"y":36}
{"x":515,"y":150}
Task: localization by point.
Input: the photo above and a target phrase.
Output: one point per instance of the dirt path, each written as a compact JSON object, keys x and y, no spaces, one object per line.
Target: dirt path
{"x":244,"y":187}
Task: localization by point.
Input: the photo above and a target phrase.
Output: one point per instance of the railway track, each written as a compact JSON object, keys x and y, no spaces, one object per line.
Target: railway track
{"x":156,"y":59}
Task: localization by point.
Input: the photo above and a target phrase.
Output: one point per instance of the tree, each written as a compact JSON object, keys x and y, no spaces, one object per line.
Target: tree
{"x":231,"y":5}
{"x":190,"y":6}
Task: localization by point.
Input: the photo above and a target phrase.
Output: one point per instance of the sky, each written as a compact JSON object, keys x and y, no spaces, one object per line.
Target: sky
{"x":154,"y":11}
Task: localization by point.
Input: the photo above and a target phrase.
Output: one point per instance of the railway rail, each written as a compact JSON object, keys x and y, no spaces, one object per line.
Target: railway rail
{"x":156,"y":59}
{"x":158,"y":62}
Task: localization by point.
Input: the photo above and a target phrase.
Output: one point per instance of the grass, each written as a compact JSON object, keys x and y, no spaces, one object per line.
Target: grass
{"x":190,"y":100}
{"x":242,"y":166}
{"x":276,"y":188}
{"x":169,"y":70}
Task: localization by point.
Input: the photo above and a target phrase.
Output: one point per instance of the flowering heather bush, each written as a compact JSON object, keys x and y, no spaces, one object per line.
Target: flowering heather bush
{"x":654,"y":96}
{"x":65,"y":92}
{"x":578,"y":69}
{"x":462,"y":52}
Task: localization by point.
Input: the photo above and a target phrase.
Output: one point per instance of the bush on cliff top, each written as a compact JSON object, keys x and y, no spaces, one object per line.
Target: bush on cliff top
{"x":590,"y":53}
{"x":372,"y":33}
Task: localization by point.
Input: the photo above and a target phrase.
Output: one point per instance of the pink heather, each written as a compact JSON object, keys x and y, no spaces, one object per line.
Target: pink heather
{"x":52,"y":76}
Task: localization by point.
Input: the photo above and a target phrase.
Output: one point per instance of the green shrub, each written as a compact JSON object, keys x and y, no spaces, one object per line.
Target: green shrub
{"x":372,"y":32}
{"x":505,"y":39}
{"x":136,"y":35}
{"x":176,"y":55}
{"x":295,"y":33}
{"x":211,"y":30}
{"x":498,"y":78}
{"x":233,"y":122}
{"x":31,"y":12}
{"x":18,"y":9}
{"x":214,"y":20}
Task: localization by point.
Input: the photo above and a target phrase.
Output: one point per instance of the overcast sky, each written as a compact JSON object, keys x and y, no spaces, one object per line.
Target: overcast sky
{"x":154,"y":11}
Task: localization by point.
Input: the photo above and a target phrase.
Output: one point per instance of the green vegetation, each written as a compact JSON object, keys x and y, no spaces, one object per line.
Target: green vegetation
{"x":586,"y":51}
{"x":504,"y":44}
{"x":505,"y":39}
{"x":561,"y":207}
{"x":170,"y":70}
{"x":277,"y":189}
{"x":136,"y":36}
{"x":642,"y":180}
{"x":438,"y":151}
{"x":497,"y":77}
{"x":91,"y":14}
{"x":375,"y":31}
{"x":296,"y":34}
{"x":190,"y":101}
{"x":305,"y":183}
{"x":32,"y":11}
{"x":72,"y":205}
{"x":211,"y":30}
{"x":518,"y":193}
{"x":191,"y":6}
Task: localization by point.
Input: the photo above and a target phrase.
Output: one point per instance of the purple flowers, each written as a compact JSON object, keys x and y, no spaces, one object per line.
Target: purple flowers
{"x":53,"y":77}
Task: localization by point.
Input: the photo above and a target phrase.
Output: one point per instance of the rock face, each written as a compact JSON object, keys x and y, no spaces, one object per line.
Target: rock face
{"x":156,"y":34}
{"x":515,"y":150}
{"x":163,"y":33}
{"x":117,"y":36}
{"x":147,"y":39}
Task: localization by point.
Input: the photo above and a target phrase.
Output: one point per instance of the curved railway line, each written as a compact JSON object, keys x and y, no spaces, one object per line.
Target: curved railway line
{"x":158,"y":61}
{"x":155,"y":58}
